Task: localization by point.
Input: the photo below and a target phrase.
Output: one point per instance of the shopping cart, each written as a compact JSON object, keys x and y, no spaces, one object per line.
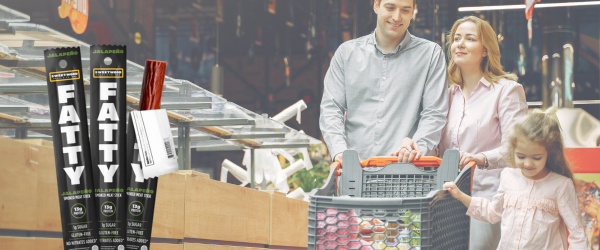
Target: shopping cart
{"x":396,"y":206}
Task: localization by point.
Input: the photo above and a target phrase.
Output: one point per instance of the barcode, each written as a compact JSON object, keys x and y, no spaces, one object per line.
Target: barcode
{"x":168,"y":147}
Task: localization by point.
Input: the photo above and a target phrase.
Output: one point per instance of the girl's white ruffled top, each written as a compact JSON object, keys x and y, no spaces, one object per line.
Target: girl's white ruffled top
{"x":535,"y":214}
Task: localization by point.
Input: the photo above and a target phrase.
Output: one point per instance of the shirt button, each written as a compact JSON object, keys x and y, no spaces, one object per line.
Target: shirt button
{"x":376,"y":143}
{"x":379,"y":121}
{"x":383,"y":78}
{"x":384,"y":58}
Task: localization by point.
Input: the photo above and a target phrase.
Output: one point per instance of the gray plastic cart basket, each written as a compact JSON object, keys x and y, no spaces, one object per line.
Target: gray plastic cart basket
{"x":402,"y":219}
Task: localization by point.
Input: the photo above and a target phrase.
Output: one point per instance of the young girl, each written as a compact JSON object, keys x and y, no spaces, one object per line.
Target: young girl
{"x":536,"y":200}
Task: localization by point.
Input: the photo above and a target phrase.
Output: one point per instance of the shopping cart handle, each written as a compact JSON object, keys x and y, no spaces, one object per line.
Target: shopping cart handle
{"x":381,"y":161}
{"x":336,"y":165}
{"x":472,"y":165}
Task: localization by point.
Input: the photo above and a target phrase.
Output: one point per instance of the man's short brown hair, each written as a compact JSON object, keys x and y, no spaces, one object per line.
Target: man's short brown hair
{"x":414,"y":3}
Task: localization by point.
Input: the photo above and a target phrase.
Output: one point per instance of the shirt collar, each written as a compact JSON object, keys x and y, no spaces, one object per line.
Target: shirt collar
{"x":401,"y":46}
{"x":454,"y":88}
{"x":483,"y":81}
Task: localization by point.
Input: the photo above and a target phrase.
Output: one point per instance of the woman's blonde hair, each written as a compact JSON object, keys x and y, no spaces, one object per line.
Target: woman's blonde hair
{"x":491,"y":67}
{"x":544,"y":130}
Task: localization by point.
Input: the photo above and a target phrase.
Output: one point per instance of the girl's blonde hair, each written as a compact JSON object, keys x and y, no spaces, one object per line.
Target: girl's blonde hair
{"x":544,"y":130}
{"x":491,"y":67}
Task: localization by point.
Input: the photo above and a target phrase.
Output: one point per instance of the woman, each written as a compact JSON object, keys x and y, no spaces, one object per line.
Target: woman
{"x":484,"y":102}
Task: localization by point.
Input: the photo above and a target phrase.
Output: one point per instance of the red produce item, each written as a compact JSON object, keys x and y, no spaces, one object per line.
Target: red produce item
{"x":354,"y":245}
{"x":321,"y":216}
{"x":330,"y":236}
{"x":331,"y":211}
{"x":342,"y":240}
{"x":320,"y":232}
{"x":331,"y":228}
{"x":320,"y":247}
{"x":330,"y":244}
{"x":366,"y":224}
{"x":341,"y":248}
{"x":366,"y":227}
{"x":354,"y":228}
{"x":331,"y":220}
{"x":354,"y":237}
{"x":366,"y":241}
{"x":321,"y":240}
{"x":354,"y":220}
{"x":352,"y":212}
{"x":343,"y":216}
{"x":343,"y":224}
{"x":343,"y":232}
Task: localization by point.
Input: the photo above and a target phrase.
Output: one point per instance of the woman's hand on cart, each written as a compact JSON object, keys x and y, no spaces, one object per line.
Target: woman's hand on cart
{"x":465,"y":158}
{"x":407,"y":151}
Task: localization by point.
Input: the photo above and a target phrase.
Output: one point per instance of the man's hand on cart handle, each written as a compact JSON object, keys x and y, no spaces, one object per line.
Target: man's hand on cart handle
{"x":338,"y":158}
{"x":408,"y":151}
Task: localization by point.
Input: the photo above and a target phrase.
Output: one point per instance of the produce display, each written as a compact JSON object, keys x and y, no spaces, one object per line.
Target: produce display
{"x":368,"y":230}
{"x":588,"y":196}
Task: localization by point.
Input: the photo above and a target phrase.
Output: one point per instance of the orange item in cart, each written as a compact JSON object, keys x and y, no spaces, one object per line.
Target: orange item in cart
{"x":586,"y":172}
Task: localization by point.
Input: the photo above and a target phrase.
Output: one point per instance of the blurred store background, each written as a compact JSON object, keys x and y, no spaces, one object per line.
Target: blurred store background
{"x":272,"y":53}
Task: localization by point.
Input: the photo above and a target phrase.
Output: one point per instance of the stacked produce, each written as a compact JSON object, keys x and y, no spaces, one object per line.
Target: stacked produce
{"x":356,"y":229}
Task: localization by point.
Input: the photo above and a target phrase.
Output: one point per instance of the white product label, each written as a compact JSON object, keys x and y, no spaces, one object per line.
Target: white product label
{"x":155,"y":142}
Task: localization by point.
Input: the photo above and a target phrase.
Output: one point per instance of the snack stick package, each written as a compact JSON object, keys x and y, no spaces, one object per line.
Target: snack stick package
{"x":141,"y":192}
{"x":71,"y":148}
{"x":108,"y":117}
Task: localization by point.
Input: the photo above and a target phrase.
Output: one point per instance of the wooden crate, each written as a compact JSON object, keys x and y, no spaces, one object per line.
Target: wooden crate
{"x":17,"y":243}
{"x":18,"y":184}
{"x":30,"y":243}
{"x":288,"y":222}
{"x":34,"y":243}
{"x":169,"y":210}
{"x":194,"y":173}
{"x":49,"y":243}
{"x":220,"y":211}
{"x":163,"y":246}
{"x":169,"y":207}
{"x":194,"y":246}
{"x":48,"y":208}
{"x":42,"y":194}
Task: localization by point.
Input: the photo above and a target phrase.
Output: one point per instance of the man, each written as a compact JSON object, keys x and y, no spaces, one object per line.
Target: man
{"x":391,"y":88}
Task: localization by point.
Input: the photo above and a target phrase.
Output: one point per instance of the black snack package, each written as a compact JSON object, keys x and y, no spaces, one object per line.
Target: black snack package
{"x":108,"y":117}
{"x":71,"y":148}
{"x":141,"y":197}
{"x":141,"y":192}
